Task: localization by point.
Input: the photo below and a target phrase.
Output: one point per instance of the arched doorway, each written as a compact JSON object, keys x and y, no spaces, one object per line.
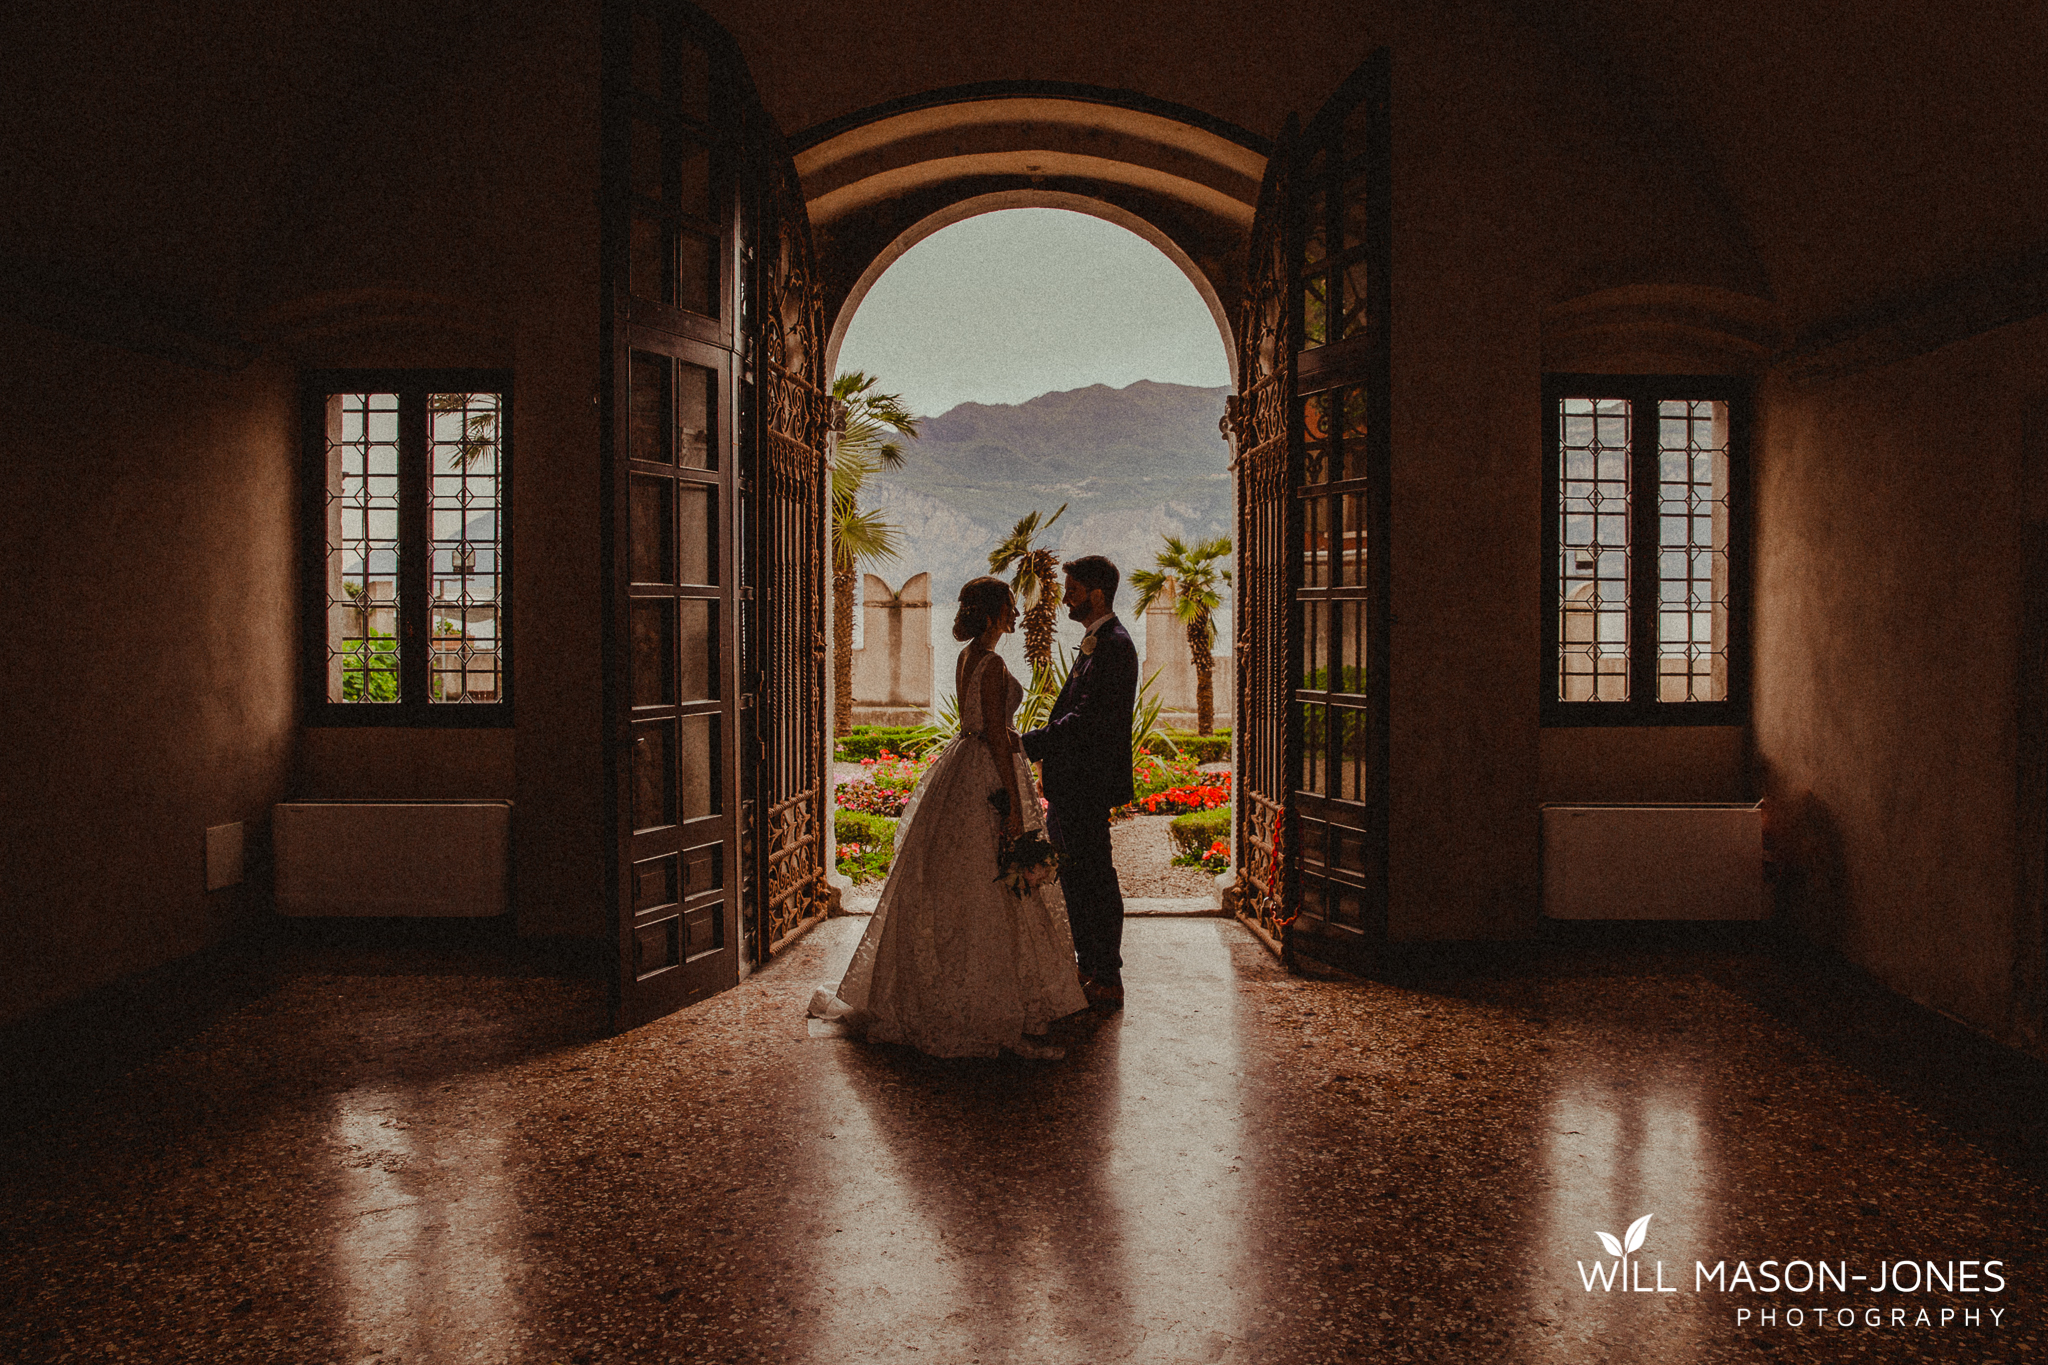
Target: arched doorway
{"x":998,"y":201}
{"x":1309,"y":275}
{"x":1303,"y":263}
{"x":1068,"y":375}
{"x":725,"y":249}
{"x":880,"y":183}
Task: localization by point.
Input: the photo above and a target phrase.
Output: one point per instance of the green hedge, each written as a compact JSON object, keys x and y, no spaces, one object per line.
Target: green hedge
{"x":874,"y":833}
{"x":854,"y":827}
{"x":1195,"y":831}
{"x":868,"y":741}
{"x":1202,"y":748}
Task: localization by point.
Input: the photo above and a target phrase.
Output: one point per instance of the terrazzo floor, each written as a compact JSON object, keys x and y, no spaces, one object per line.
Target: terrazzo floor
{"x":424,"y":1148}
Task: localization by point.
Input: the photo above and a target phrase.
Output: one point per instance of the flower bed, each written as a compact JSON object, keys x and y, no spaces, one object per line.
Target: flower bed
{"x":873,"y":741}
{"x":1216,"y":858}
{"x":865,"y":862}
{"x":1202,"y":748}
{"x":1212,"y":791}
{"x":1153,"y":773}
{"x":869,"y":799}
{"x":885,"y":787}
{"x":1193,"y":833}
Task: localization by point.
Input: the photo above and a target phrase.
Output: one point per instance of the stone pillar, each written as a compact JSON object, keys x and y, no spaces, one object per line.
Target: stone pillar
{"x":1166,"y":650}
{"x":892,"y":671}
{"x":1166,"y":660}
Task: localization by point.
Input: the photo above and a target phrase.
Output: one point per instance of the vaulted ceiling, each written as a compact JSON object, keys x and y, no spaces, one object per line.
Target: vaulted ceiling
{"x":1856,"y":154}
{"x":1833,"y":157}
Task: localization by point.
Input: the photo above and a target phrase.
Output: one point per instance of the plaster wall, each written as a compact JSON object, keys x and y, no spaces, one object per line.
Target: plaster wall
{"x":147,"y":653}
{"x":1627,"y":764}
{"x":457,"y":226}
{"x":1888,"y":666}
{"x":893,"y":666}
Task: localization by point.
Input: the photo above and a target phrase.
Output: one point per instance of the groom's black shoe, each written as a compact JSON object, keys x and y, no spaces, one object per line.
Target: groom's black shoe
{"x":1104,"y":997}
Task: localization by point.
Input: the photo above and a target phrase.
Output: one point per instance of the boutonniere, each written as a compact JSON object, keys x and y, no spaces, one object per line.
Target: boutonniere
{"x":1088,"y":644}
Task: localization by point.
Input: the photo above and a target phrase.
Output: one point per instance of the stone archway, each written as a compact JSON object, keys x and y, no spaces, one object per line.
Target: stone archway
{"x":879,"y":181}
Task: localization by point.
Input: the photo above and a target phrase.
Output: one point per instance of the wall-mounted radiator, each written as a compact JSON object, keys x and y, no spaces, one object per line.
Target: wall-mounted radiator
{"x":1676,"y":862}
{"x":392,"y":857}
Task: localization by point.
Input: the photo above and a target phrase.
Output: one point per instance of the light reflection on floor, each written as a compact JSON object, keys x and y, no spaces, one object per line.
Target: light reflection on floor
{"x":1614,"y":1154}
{"x":365,"y":1159}
{"x":421,"y":1261}
{"x":1178,"y":1167}
{"x":995,"y":1210}
{"x":877,"y":1265}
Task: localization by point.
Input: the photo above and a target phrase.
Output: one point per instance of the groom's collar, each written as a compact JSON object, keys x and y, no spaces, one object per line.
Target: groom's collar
{"x":1100,"y":622}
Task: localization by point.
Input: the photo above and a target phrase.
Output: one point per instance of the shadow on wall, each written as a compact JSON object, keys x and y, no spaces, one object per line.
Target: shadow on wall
{"x":1803,"y":860}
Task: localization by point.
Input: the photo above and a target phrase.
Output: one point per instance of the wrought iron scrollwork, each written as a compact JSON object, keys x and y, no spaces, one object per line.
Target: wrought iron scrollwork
{"x":1263,"y":867}
{"x":1259,"y":417}
{"x":793,"y":416}
{"x":794,"y":434}
{"x":1262,"y":465}
{"x":796,"y":873}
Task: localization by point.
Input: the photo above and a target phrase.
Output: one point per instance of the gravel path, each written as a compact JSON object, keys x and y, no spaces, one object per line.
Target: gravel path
{"x":1143,"y":852}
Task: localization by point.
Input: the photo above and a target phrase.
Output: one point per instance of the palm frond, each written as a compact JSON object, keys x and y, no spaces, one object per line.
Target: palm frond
{"x":1191,"y":573}
{"x":865,"y":445}
{"x":1145,"y":727}
{"x":1046,"y":681}
{"x":943,"y":725}
{"x":862,"y":537}
{"x":479,"y":428}
{"x":1018,"y":547}
{"x":1150,"y":583}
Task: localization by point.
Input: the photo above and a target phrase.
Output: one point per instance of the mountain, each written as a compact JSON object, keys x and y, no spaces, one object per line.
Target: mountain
{"x":1133,"y":465}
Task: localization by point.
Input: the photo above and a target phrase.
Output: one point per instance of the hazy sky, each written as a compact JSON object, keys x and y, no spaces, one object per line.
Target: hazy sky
{"x":1013,"y":304}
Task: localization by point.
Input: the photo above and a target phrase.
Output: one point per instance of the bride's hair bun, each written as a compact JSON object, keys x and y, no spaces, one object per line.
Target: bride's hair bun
{"x":981,"y":601}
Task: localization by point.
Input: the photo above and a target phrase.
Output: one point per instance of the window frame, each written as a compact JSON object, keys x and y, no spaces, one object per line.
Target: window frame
{"x":1644,"y":391}
{"x":415,"y":555}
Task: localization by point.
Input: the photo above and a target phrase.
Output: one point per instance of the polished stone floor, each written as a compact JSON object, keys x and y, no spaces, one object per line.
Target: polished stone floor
{"x":367,"y":1149}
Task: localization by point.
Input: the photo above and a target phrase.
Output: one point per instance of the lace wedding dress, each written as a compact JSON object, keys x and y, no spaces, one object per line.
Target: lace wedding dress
{"x":953,"y":963}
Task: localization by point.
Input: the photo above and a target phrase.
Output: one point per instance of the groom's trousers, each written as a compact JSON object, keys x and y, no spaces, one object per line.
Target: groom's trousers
{"x":1095,"y":902}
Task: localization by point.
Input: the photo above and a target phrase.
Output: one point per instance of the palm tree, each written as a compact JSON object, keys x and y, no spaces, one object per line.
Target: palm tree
{"x":859,"y":535}
{"x":1191,"y":576}
{"x":479,"y":425}
{"x":1034,"y":580}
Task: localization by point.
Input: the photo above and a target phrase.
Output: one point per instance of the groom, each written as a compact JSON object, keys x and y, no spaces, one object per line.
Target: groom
{"x":1086,"y":752}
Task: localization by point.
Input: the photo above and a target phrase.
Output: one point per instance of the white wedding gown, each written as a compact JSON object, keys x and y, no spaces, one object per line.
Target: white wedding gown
{"x":953,"y":963}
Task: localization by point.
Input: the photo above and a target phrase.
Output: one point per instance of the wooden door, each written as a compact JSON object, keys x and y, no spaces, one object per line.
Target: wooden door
{"x":704,"y":494}
{"x":1310,"y":421}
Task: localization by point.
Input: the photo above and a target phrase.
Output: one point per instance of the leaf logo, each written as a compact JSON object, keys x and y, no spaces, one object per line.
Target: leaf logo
{"x":1629,"y":1240}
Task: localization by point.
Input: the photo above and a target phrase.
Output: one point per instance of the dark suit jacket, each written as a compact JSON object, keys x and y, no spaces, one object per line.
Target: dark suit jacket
{"x":1086,"y":745}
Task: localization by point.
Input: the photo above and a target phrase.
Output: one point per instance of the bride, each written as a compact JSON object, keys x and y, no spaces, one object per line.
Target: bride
{"x":954,"y":963}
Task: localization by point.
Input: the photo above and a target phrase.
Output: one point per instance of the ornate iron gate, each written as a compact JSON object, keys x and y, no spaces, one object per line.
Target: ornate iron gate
{"x":1258,"y":418}
{"x":785,"y":573}
{"x":1310,"y":422}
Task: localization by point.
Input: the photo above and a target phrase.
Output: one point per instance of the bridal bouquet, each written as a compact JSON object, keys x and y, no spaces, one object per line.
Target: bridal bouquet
{"x":1026,"y":862}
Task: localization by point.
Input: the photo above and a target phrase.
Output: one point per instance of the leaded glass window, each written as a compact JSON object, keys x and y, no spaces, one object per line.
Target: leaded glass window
{"x":409,"y":590}
{"x":468,"y":572}
{"x":362,"y":547}
{"x":1644,"y":481}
